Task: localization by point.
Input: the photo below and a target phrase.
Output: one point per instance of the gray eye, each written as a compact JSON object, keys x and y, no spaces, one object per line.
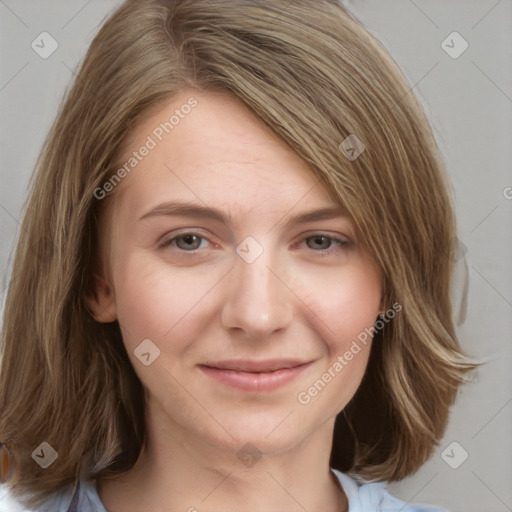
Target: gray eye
{"x":319,"y":242}
{"x":191,"y":242}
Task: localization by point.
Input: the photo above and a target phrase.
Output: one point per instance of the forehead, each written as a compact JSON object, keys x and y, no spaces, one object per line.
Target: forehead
{"x":218,"y":153}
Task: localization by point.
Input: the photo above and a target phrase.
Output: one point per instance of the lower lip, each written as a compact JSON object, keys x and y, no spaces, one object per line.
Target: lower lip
{"x":255,"y":382}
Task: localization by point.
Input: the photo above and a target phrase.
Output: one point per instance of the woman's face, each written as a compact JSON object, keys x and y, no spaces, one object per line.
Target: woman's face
{"x":238,"y":284}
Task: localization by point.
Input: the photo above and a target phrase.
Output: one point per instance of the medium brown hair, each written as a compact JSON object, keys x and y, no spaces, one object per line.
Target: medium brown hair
{"x":310,"y":71}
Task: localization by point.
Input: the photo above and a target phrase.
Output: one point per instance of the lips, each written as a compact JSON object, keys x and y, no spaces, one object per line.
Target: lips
{"x":255,"y":376}
{"x":251,"y":366}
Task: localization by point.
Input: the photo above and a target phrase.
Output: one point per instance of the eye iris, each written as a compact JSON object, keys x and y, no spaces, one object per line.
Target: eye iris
{"x":323,"y":241}
{"x":191,"y":242}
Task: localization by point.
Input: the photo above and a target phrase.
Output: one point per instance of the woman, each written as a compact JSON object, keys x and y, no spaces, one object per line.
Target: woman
{"x":232,"y":281}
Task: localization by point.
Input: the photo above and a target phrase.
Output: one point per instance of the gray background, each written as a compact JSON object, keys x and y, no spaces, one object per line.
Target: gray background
{"x":469,"y":102}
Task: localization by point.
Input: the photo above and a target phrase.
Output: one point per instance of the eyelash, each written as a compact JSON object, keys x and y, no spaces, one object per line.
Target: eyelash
{"x":325,"y":252}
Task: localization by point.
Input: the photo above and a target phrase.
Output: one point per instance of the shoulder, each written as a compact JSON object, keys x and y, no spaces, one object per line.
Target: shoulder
{"x":374,"y":497}
{"x":362,"y":497}
{"x":7,"y":503}
{"x":59,"y":502}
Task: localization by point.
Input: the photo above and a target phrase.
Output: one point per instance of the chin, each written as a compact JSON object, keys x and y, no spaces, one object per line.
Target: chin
{"x":264,"y":434}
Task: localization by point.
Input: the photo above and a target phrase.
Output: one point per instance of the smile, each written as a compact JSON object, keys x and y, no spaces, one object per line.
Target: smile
{"x":254,"y":376}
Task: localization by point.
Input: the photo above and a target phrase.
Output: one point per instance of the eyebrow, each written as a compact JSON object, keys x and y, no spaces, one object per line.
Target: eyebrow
{"x":204,"y":212}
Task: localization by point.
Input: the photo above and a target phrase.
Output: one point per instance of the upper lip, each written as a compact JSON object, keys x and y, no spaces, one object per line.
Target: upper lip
{"x":253,"y":366}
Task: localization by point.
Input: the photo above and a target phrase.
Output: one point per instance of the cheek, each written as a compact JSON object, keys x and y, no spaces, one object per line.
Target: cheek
{"x":345,"y":304}
{"x":344,"y":310}
{"x":156,"y":303}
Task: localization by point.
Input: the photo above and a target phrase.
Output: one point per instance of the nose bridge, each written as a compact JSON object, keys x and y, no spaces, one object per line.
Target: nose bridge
{"x":258,"y":301}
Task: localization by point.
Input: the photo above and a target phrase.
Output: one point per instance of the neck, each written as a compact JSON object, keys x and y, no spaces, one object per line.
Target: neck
{"x":177,"y":473}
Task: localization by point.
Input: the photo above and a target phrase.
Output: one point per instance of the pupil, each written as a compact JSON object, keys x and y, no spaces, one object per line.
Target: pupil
{"x":190,"y":240}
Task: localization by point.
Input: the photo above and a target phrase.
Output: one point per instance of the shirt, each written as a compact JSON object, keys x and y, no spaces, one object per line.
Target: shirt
{"x":362,"y":497}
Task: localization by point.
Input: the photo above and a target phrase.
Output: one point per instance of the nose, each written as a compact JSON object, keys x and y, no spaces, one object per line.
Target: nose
{"x":258,"y":301}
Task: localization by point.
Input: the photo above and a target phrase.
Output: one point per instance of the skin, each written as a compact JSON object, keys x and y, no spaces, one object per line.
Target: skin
{"x":303,"y":297}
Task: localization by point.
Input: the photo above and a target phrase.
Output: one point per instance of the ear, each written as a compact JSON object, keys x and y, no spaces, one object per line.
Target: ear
{"x":101,"y":301}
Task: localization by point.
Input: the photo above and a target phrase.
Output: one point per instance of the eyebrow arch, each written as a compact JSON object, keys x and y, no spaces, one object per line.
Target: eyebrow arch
{"x":204,"y":212}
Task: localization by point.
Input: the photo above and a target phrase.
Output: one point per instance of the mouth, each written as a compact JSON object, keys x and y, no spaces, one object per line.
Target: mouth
{"x":255,"y":376}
